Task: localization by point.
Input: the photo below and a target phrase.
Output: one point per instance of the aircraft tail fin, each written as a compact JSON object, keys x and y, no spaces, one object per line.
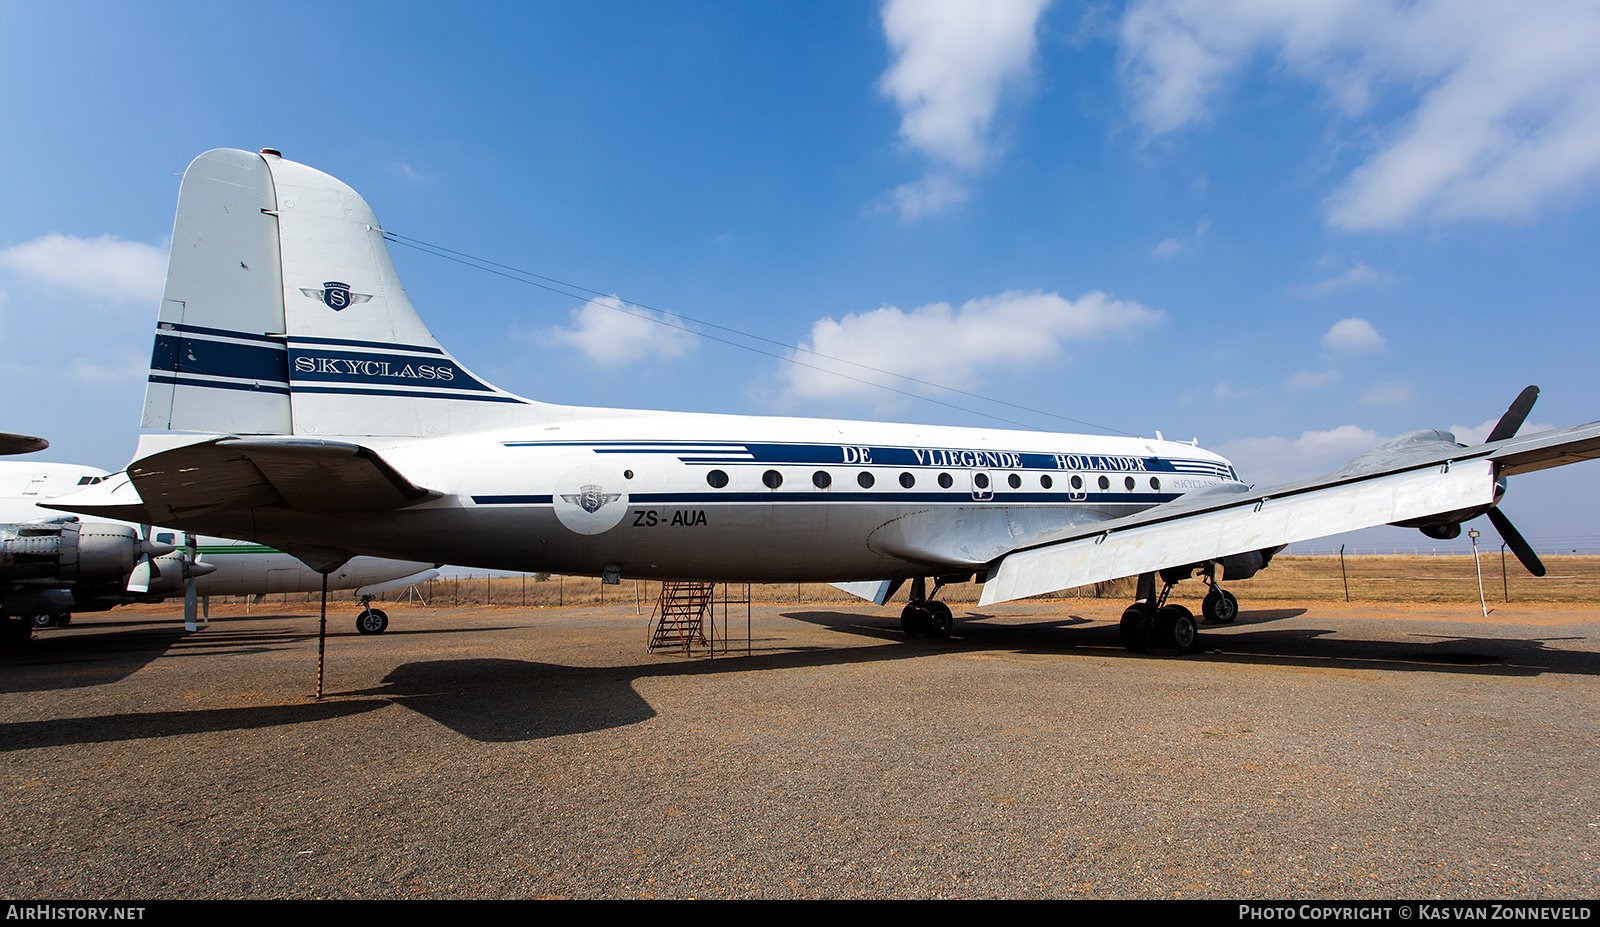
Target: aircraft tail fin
{"x":283,"y":315}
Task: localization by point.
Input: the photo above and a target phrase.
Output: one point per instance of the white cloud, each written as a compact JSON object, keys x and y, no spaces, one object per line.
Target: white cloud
{"x":940,"y":344}
{"x":929,"y":195}
{"x":951,"y":61}
{"x":1353,"y":335}
{"x":1393,"y":393}
{"x":1305,"y":379}
{"x":1275,"y":460}
{"x":1171,"y":247}
{"x":611,"y":332}
{"x":1502,"y":115}
{"x":1358,"y":274}
{"x":104,"y":268}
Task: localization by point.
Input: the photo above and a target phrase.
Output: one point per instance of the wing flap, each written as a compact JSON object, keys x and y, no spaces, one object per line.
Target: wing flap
{"x":1154,"y":541}
{"x":229,"y":474}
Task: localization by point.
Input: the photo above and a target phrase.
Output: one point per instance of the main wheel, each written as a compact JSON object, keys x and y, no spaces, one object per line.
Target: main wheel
{"x":1178,"y":629}
{"x":42,"y":621}
{"x":916,"y":619}
{"x":372,"y":621}
{"x":1135,"y":630}
{"x":940,"y":621}
{"x":1220,"y":606}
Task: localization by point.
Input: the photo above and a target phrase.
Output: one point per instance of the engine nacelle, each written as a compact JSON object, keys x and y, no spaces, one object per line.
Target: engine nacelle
{"x":67,"y":551}
{"x":1245,"y":565}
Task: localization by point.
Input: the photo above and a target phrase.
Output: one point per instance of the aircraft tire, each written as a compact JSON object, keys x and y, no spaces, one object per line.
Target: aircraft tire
{"x":43,"y":621}
{"x":916,"y":620}
{"x":372,"y":621}
{"x":63,"y":619}
{"x":1135,"y":632}
{"x":1220,"y":606}
{"x":1178,"y":629}
{"x":940,"y":620}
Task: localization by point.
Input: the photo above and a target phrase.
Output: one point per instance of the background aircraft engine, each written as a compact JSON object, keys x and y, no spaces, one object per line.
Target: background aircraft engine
{"x":67,"y":551}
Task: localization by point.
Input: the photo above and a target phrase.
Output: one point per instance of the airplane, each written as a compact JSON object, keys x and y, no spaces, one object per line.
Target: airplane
{"x":307,"y":406}
{"x":53,"y":565}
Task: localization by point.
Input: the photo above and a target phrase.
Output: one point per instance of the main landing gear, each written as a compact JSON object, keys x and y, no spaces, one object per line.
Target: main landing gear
{"x":1151,"y":622}
{"x":923,"y":617}
{"x":371,"y":620}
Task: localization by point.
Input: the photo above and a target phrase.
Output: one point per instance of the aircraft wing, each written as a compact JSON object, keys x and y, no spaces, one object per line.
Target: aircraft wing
{"x":230,"y":474}
{"x":1379,"y":491}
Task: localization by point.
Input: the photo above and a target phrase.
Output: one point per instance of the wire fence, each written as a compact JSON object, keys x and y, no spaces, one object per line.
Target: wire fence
{"x":1380,"y":578}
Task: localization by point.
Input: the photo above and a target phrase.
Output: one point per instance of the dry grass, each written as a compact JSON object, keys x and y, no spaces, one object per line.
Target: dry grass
{"x":1369,"y":579}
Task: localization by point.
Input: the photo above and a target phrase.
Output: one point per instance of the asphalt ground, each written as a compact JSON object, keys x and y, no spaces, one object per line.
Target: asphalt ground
{"x":1316,"y":751}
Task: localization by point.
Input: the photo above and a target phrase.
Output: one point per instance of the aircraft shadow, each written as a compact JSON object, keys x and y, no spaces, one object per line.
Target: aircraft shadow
{"x":58,"y":732}
{"x":1251,"y":639}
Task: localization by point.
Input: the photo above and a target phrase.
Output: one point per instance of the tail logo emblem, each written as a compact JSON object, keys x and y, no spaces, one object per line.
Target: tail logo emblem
{"x":337,"y":295}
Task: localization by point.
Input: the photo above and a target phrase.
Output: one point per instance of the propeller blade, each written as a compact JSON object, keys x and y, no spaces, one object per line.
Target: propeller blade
{"x":1513,"y":419}
{"x":144,"y":573}
{"x":191,"y":605}
{"x":1513,"y":539}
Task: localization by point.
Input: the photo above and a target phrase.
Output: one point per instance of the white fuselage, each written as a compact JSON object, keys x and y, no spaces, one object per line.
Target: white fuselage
{"x":714,"y":497}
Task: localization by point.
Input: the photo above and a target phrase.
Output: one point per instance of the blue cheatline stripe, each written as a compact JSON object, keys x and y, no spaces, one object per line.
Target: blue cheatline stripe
{"x":774,"y":454}
{"x":381,"y":345}
{"x":213,"y":384}
{"x":834,"y":497}
{"x":403,"y":394}
{"x":176,"y":354}
{"x":218,"y":332}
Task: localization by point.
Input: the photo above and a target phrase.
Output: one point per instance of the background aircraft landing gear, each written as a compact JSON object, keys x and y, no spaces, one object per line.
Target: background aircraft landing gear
{"x":371,"y":620}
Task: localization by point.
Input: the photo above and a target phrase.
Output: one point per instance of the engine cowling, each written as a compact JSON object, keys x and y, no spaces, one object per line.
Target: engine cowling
{"x":67,"y":551}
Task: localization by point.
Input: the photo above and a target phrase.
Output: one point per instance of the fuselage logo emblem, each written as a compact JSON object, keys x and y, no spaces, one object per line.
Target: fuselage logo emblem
{"x":336,"y":295}
{"x":591,"y":498}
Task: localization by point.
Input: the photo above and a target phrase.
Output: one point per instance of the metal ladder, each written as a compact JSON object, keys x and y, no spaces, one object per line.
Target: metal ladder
{"x":678,"y":620}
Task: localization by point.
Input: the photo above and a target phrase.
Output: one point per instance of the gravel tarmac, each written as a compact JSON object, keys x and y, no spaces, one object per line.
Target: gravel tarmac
{"x":1318,"y":751}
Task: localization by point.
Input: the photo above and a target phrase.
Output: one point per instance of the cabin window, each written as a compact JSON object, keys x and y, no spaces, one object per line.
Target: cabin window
{"x":1015,"y":481}
{"x":717,"y":479}
{"x":1129,"y":482}
{"x":945,"y":481}
{"x":980,"y":480}
{"x":1155,"y":484}
{"x":821,"y":479}
{"x":865,"y":480}
{"x":627,"y":474}
{"x":1077,"y":482}
{"x":1105,"y":483}
{"x":772,"y":479}
{"x":1046,"y":481}
{"x":907,"y":480}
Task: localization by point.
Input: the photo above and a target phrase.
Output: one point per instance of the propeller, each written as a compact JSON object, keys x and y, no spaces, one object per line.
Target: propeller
{"x":145,"y":572}
{"x":1503,"y":429}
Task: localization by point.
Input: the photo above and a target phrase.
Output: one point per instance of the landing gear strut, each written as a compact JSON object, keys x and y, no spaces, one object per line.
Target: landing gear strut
{"x":1219,"y":605}
{"x":922,"y":616}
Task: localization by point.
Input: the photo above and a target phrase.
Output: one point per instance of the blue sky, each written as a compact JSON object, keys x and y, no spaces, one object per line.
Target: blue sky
{"x":1288,"y":230}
